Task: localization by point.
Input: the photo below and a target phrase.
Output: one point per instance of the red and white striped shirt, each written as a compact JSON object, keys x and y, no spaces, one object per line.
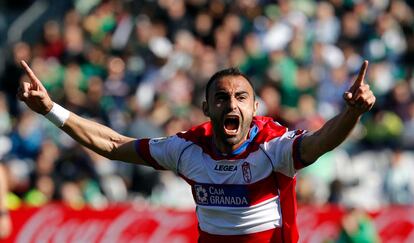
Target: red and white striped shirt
{"x":248,"y":196}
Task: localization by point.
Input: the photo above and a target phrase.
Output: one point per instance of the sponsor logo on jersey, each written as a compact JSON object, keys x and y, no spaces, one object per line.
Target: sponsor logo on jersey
{"x":201,"y":194}
{"x":225,"y":167}
{"x":221,"y":195}
{"x":247,"y":173}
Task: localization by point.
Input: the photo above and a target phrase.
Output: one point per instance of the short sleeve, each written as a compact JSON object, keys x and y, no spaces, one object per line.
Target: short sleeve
{"x":284,"y":152}
{"x":161,"y":153}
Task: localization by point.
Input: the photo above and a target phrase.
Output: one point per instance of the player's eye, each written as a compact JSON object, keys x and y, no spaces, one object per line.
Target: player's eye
{"x":221,"y":98}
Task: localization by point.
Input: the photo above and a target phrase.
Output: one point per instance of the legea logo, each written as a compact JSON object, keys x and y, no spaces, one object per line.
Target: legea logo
{"x":225,"y":167}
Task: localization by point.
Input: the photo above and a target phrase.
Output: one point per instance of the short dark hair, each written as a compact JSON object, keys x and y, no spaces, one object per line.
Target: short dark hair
{"x":224,"y":73}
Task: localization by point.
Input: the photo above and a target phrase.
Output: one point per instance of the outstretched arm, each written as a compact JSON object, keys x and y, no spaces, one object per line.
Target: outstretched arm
{"x":359,"y":99}
{"x":92,"y":135}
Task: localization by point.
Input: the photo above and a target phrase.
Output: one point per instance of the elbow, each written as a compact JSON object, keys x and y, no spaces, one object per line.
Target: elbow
{"x":113,"y":151}
{"x":108,"y":149}
{"x":116,"y":148}
{"x":109,"y":155}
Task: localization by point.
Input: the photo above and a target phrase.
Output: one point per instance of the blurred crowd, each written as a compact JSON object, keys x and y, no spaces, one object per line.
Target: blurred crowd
{"x":141,"y":67}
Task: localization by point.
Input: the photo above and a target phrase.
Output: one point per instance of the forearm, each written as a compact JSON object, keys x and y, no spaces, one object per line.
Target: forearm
{"x":94,"y":136}
{"x":332,"y":134}
{"x":97,"y":137}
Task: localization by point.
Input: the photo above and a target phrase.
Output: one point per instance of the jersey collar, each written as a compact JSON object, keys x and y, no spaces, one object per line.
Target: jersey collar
{"x":252,"y":134}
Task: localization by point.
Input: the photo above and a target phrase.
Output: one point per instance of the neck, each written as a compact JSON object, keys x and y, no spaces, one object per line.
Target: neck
{"x":236,"y":148}
{"x":225,"y":147}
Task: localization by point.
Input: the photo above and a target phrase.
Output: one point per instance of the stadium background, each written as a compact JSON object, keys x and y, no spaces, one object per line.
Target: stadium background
{"x":140,"y":67}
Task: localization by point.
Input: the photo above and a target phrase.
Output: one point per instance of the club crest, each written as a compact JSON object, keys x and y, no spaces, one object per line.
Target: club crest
{"x":247,"y":174}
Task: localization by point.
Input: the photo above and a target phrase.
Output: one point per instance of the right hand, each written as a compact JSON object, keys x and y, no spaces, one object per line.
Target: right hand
{"x":33,"y":93}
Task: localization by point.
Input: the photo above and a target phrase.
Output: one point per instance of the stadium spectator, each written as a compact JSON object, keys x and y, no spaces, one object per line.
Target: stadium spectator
{"x":356,"y":226}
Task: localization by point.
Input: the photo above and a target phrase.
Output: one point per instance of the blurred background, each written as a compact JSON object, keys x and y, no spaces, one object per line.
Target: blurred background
{"x":140,"y":67}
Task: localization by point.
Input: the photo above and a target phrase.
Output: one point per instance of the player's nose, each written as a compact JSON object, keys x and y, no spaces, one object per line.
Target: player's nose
{"x":232,"y":104}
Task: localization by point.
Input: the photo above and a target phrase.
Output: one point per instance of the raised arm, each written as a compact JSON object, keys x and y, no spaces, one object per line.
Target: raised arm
{"x":92,"y":135}
{"x":359,"y":99}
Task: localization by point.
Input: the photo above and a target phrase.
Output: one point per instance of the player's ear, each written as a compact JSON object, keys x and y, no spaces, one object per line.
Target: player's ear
{"x":205,"y":108}
{"x":255,"y":107}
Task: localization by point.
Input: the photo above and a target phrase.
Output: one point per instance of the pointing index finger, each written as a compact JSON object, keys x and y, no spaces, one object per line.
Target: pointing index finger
{"x":29,"y":71}
{"x":361,"y":75}
{"x":34,"y":80}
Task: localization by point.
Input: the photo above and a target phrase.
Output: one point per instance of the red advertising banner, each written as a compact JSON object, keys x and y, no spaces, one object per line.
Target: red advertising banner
{"x":56,"y":223}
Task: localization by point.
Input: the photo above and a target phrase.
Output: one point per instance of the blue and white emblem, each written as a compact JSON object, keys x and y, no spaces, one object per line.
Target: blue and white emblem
{"x":201,"y":194}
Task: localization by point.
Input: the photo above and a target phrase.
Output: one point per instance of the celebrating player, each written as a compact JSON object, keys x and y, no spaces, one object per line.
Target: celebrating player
{"x":241,"y":167}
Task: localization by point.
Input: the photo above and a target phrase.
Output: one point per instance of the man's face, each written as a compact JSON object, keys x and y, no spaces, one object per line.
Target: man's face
{"x":231,"y":107}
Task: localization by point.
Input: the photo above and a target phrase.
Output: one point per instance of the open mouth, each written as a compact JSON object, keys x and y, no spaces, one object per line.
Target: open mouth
{"x":231,"y":125}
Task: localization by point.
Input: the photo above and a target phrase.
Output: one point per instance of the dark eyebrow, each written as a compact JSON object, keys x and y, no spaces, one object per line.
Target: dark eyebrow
{"x":221,"y":92}
{"x":242,"y":93}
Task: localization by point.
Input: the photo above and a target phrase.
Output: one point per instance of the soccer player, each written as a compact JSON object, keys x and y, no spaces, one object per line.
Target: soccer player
{"x":241,"y":167}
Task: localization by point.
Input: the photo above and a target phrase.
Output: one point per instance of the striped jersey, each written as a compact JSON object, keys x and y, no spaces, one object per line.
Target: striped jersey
{"x":246,"y":196}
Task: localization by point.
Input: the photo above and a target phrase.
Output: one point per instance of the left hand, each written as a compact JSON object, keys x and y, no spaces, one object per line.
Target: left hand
{"x":359,"y":97}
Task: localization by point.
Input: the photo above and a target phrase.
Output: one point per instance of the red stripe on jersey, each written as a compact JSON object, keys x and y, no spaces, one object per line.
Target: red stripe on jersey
{"x":272,"y":235}
{"x":202,"y":135}
{"x":263,"y":190}
{"x":288,"y":207}
{"x":142,"y":149}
